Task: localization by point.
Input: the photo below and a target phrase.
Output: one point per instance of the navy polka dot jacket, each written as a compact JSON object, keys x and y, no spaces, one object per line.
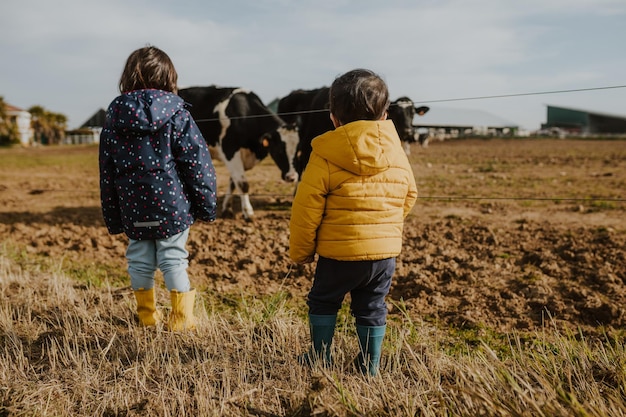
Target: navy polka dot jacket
{"x":156,"y":172}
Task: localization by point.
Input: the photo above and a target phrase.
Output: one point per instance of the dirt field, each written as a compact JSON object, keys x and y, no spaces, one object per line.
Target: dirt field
{"x":506,"y":234}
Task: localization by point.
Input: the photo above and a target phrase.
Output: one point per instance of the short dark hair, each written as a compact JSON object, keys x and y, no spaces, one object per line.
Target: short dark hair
{"x":359,"y":94}
{"x":149,"y":67}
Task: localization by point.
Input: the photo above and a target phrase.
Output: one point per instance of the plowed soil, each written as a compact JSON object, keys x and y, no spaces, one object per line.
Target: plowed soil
{"x":507,"y":234}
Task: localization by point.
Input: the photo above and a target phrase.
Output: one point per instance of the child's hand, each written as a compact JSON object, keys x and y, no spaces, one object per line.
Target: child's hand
{"x":307,"y":260}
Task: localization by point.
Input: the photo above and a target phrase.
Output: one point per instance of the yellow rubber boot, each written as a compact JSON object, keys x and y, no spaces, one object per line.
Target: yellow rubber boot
{"x":181,"y":317}
{"x":146,"y":308}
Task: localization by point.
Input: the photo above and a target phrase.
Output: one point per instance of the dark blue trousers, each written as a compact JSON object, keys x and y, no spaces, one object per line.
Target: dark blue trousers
{"x":368,"y":283}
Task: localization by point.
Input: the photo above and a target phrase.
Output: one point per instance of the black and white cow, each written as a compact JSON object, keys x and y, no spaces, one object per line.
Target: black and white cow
{"x":242,"y":131}
{"x":294,"y":106}
{"x":402,"y":111}
{"x":311,"y":108}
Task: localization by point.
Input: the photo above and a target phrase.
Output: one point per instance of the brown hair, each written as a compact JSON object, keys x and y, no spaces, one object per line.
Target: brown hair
{"x":359,"y":94}
{"x":149,"y":67}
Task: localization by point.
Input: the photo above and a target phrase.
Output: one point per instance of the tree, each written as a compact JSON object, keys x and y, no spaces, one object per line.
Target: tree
{"x":8,"y":131}
{"x":39,"y":123}
{"x":4,"y":125}
{"x":49,"y":128}
{"x":59,"y":125}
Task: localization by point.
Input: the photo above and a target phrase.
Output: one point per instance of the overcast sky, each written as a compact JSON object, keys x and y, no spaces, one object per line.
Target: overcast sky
{"x":67,"y":55}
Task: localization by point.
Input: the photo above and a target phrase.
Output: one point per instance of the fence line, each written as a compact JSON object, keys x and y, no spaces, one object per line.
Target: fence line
{"x":427,"y":197}
{"x":524,"y":94}
{"x":536,"y":93}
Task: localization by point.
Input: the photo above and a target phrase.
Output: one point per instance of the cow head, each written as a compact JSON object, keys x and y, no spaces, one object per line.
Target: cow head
{"x":401,"y":112}
{"x":282,"y":144}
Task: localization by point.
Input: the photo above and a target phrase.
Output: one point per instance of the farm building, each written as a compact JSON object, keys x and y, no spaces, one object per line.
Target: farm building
{"x":445,"y":123}
{"x":583,"y":122}
{"x":88,"y":132}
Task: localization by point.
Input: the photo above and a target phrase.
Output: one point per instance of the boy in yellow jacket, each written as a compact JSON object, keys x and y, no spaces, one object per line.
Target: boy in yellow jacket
{"x":349,"y":208}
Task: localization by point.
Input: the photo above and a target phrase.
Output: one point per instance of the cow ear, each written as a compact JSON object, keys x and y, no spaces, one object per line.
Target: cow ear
{"x":422,"y":110}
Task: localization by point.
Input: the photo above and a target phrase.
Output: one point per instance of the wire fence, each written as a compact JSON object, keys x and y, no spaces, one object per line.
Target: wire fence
{"x":423,"y":197}
{"x":536,"y":93}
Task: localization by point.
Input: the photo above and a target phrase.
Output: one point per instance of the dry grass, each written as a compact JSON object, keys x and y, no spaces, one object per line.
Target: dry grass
{"x":70,"y":343}
{"x":71,"y":349}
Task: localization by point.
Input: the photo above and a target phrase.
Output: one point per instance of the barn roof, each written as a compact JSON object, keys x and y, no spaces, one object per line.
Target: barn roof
{"x":584,"y":121}
{"x":597,"y":113}
{"x":97,"y":120}
{"x":273,"y":105}
{"x":12,"y":108}
{"x":445,"y":116}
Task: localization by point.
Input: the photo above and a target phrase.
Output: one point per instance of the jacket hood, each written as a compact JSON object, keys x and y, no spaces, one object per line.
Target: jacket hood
{"x":358,"y":147}
{"x":144,"y":110}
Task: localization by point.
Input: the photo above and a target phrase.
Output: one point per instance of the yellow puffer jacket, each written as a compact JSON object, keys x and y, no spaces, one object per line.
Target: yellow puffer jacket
{"x":355,"y":192}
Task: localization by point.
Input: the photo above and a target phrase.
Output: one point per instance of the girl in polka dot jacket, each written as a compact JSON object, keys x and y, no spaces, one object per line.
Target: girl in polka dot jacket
{"x":156,"y":178}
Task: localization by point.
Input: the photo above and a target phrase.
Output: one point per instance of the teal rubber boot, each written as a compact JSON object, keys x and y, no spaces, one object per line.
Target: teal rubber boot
{"x":322,"y":328}
{"x":370,"y":342}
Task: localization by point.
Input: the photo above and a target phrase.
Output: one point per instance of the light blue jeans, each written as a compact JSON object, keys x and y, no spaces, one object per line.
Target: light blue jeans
{"x":169,"y":255}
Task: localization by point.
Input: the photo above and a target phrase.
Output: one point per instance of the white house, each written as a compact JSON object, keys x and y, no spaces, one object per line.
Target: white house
{"x":21,"y":118}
